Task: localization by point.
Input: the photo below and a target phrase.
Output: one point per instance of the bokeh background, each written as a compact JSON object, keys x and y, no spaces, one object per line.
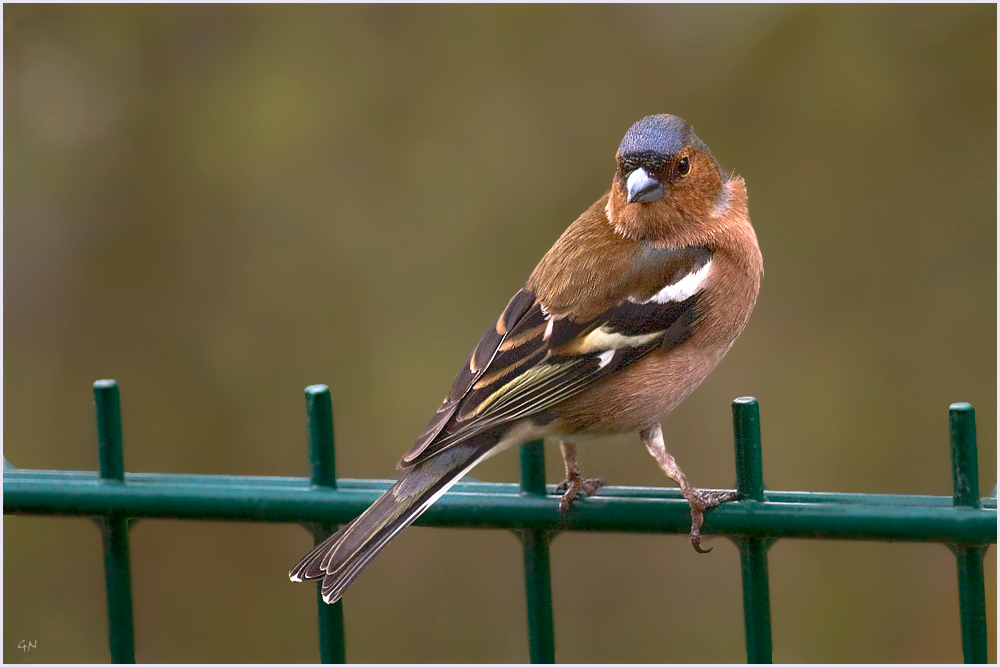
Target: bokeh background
{"x":218,"y":206}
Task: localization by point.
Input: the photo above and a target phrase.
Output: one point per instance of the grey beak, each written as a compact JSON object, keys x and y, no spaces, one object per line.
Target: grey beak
{"x":643,"y":187}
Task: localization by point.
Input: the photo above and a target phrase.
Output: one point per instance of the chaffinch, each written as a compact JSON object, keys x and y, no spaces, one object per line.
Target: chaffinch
{"x":624,"y":316}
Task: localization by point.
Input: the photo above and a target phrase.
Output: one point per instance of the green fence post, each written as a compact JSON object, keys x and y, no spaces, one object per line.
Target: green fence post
{"x":537,"y":577}
{"x":971,"y":585}
{"x":323,"y":475}
{"x":753,"y":550}
{"x":117,"y":574}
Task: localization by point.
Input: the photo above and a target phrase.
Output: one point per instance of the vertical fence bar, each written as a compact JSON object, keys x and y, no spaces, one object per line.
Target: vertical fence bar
{"x":753,"y":550}
{"x":971,"y":585}
{"x":537,"y":576}
{"x":117,"y":572}
{"x":323,"y":474}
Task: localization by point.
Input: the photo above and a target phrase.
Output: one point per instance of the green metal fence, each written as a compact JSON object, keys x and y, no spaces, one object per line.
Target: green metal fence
{"x":966,"y":521}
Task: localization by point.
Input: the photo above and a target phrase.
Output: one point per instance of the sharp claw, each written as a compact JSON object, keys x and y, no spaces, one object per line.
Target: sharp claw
{"x":564,"y":504}
{"x":564,"y":508}
{"x":700,"y":501}
{"x":696,"y":543}
{"x":572,"y":488}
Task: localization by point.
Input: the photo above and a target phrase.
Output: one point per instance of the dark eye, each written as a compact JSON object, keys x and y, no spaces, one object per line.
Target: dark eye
{"x":683,"y":167}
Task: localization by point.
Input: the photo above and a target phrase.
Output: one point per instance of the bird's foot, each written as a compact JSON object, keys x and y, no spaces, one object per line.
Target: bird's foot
{"x":573,"y":486}
{"x":700,"y":501}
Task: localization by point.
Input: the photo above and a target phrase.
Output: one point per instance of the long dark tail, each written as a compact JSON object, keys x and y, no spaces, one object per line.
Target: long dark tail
{"x":341,"y":557}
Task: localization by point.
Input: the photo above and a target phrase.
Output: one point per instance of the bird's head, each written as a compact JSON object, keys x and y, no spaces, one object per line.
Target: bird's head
{"x":667,"y":180}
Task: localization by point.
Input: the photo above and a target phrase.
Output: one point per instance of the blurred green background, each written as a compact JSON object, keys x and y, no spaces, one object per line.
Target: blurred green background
{"x":218,"y":206}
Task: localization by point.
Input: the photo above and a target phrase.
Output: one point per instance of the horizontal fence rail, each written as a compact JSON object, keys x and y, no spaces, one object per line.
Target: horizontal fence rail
{"x":841,"y":516}
{"x":964,"y":520}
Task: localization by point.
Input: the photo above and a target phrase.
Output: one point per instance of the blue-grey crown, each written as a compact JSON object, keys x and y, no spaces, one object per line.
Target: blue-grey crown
{"x":659,"y":136}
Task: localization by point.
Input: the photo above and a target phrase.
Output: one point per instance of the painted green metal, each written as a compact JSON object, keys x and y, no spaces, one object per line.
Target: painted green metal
{"x":753,"y":550}
{"x":971,"y":585}
{"x":749,"y":460}
{"x":322,"y":456}
{"x":114,"y":526}
{"x":323,"y":501}
{"x":478,"y":505}
{"x":323,"y":475}
{"x":110,"y":463}
{"x":533,"y":468}
{"x":537,"y":575}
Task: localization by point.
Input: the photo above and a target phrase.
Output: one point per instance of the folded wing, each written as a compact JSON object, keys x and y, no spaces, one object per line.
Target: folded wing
{"x":532,"y":359}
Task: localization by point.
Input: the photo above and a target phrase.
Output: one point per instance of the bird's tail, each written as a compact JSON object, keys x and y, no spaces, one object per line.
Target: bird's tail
{"x":341,"y":557}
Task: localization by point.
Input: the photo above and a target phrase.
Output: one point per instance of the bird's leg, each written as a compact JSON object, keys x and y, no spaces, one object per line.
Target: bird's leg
{"x":575,"y":483}
{"x":698,"y":500}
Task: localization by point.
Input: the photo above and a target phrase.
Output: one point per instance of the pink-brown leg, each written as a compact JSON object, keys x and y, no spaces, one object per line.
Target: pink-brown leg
{"x":575,"y":483}
{"x":698,"y":499}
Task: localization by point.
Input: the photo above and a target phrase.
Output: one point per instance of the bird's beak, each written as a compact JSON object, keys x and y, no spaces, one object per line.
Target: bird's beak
{"x":643,"y":187}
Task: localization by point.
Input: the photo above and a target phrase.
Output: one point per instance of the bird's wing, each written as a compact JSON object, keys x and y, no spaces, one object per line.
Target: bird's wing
{"x":532,"y":358}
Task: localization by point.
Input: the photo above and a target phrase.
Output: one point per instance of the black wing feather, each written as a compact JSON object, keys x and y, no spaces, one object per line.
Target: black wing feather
{"x":473,"y":369}
{"x":530,"y":361}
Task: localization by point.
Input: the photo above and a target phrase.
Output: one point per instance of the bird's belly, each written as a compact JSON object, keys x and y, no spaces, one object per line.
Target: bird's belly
{"x":627,"y":402}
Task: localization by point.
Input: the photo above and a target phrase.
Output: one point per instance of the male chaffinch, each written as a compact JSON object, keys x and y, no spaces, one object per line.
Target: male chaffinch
{"x":625,"y":315}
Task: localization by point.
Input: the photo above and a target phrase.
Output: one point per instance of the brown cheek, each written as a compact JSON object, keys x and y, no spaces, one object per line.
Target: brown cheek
{"x":617,"y":201}
{"x":700,"y":191}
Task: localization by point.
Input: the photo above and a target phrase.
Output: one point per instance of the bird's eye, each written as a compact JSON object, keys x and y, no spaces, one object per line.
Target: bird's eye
{"x":683,"y":166}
